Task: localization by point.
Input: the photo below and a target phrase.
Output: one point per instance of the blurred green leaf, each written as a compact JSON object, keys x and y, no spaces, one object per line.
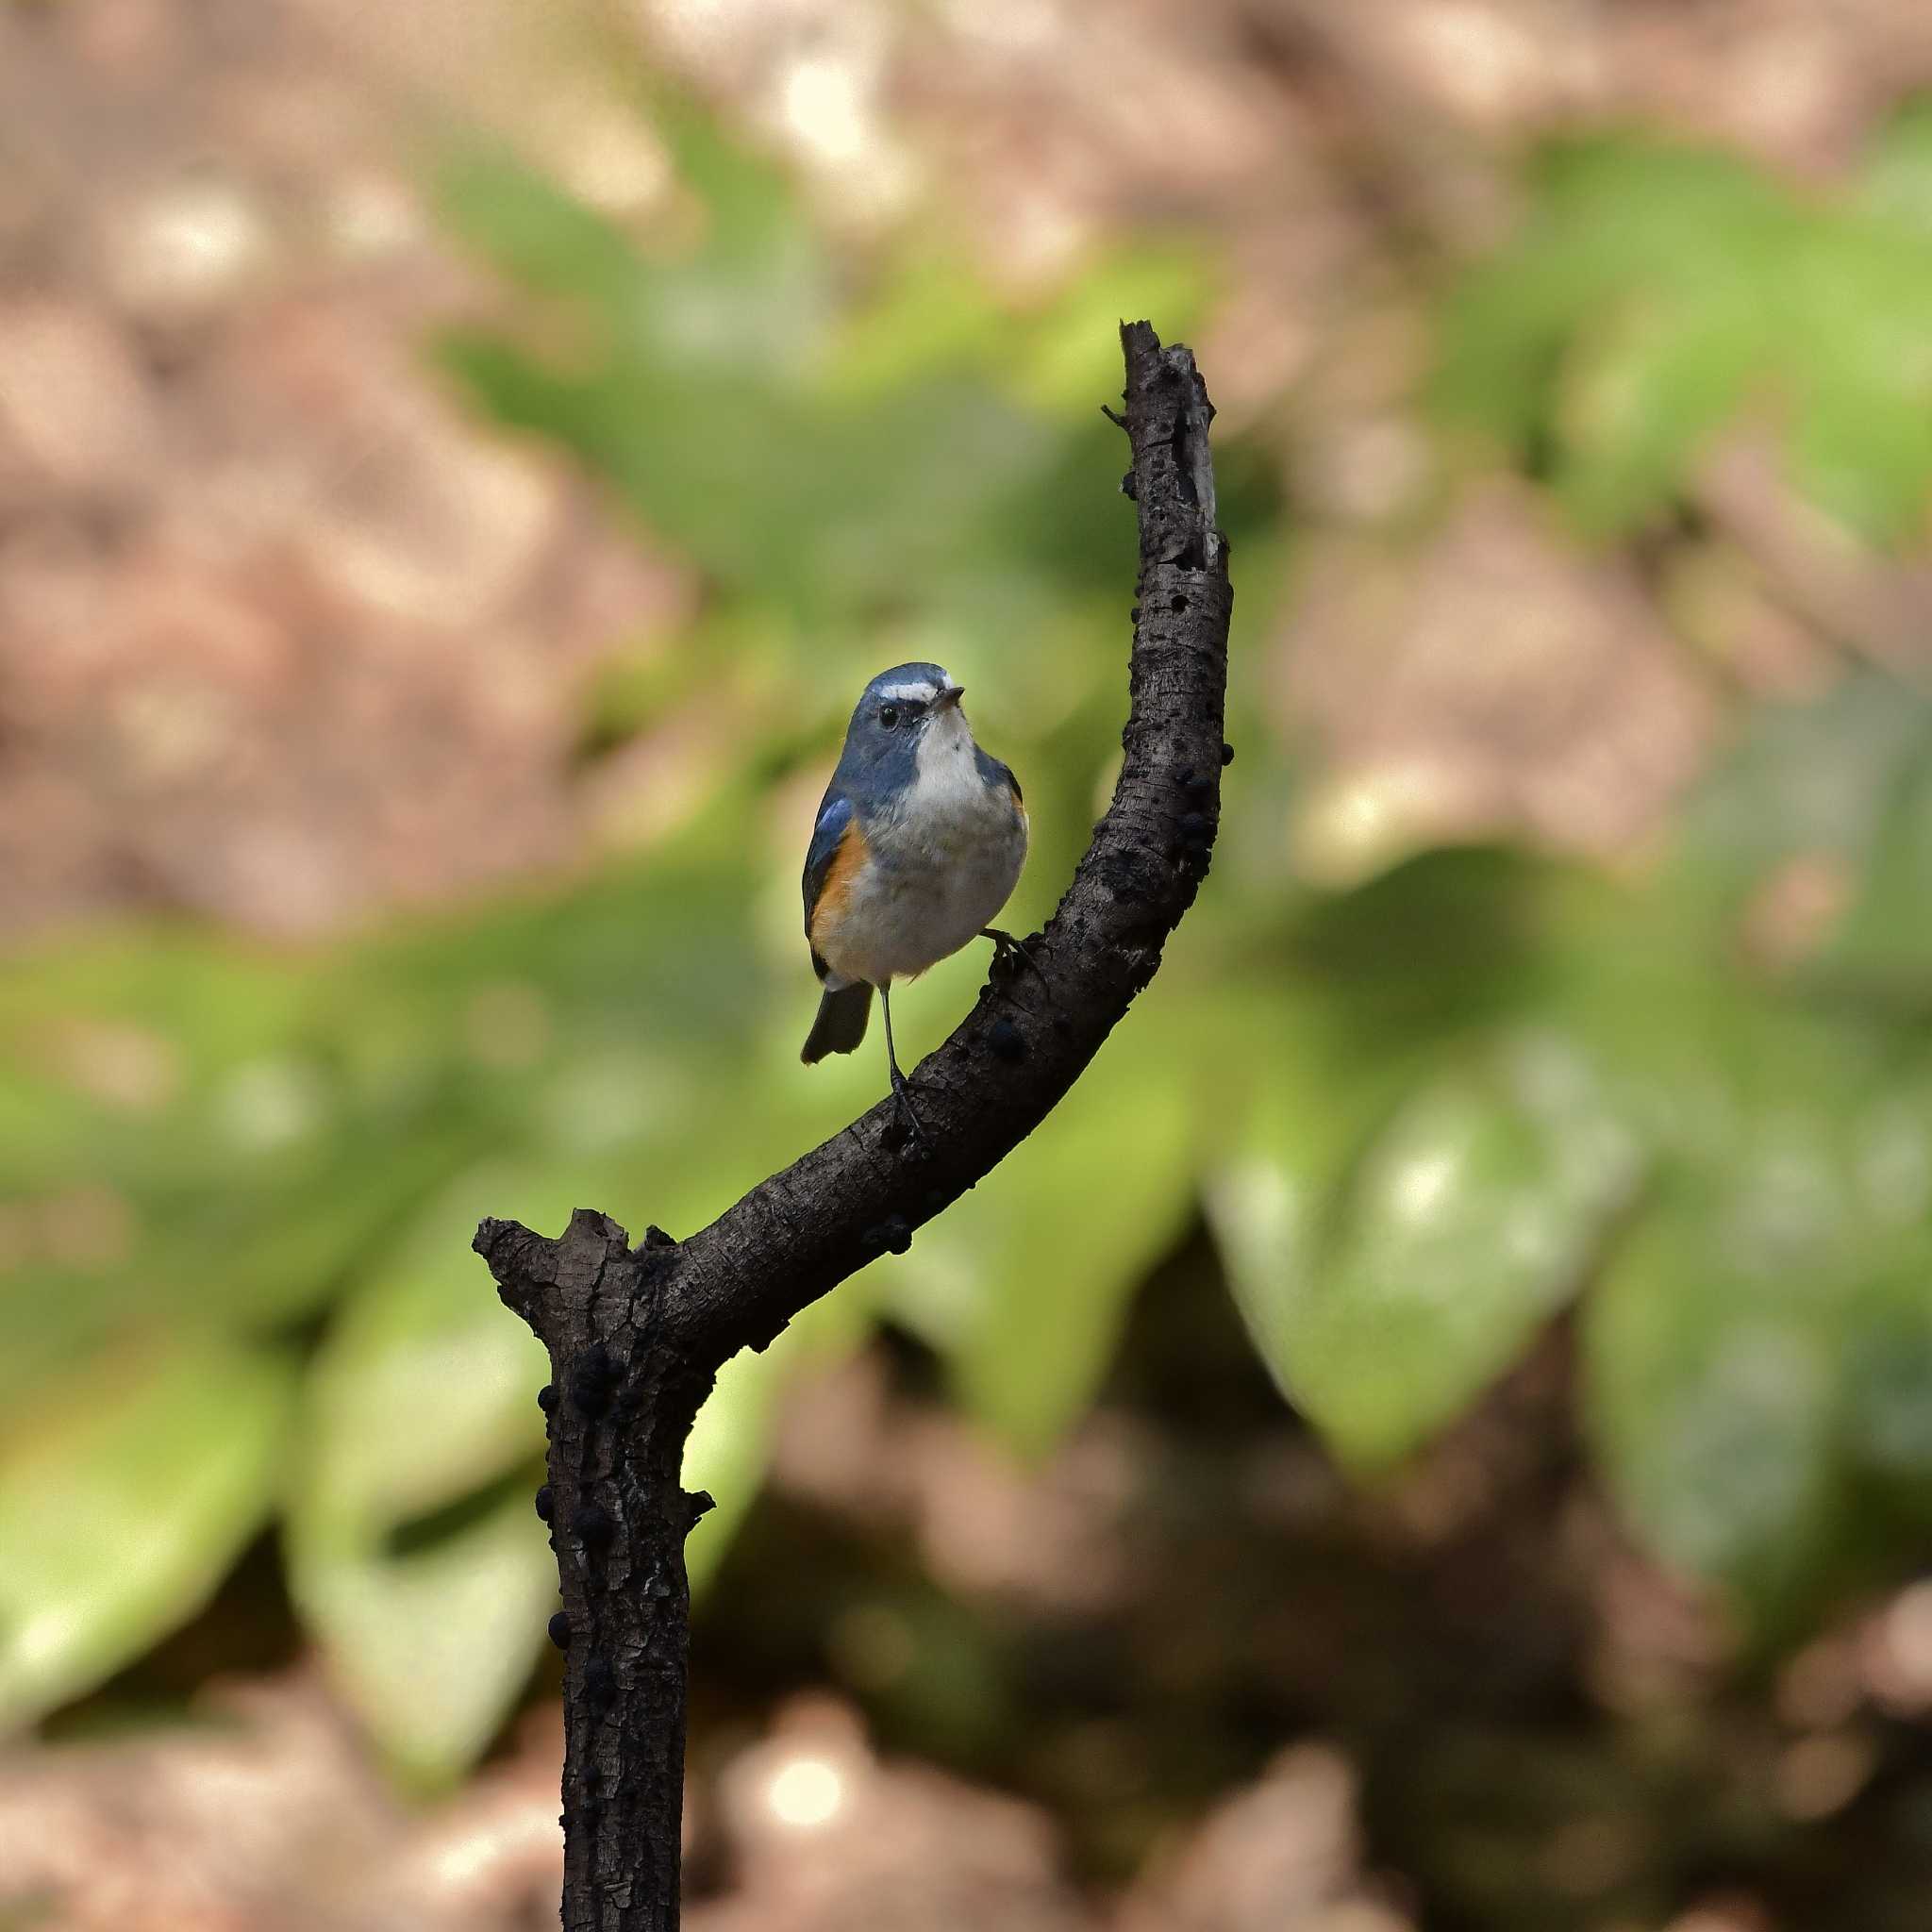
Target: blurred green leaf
{"x":413,"y":1551}
{"x":1884,"y":940}
{"x":1610,"y":215}
{"x":726,"y":1456}
{"x":1024,"y":1286}
{"x":1897,"y":177}
{"x":1386,"y":1283}
{"x":190,"y":1103}
{"x":677,"y":375}
{"x":425,"y":1385}
{"x":1641,"y":395}
{"x":1714,"y":1415}
{"x":1887,"y":1378}
{"x":107,"y":1043}
{"x":1789,"y":1237}
{"x":931,"y":314}
{"x":1855,"y":360}
{"x":742,"y":295}
{"x":124,"y":1497}
{"x":423,"y":1400}
{"x":429,"y":1643}
{"x":1657,"y":290}
{"x":1800,"y":781}
{"x":198,"y":1002}
{"x":1433,"y":948}
{"x":842,"y":463}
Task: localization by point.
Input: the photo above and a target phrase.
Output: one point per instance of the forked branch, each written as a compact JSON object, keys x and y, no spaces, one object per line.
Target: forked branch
{"x":636,"y":1335}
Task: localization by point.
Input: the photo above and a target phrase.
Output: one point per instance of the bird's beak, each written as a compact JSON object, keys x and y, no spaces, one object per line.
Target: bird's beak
{"x":949,"y":697}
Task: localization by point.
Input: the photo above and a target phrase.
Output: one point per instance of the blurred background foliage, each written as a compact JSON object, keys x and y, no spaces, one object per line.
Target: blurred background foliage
{"x":1425,"y":1081}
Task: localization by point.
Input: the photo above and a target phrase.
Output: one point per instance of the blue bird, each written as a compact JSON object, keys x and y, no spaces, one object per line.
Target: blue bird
{"x":918,"y":842}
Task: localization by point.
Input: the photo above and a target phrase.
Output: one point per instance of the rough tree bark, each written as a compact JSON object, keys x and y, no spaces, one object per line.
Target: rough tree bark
{"x":636,"y":1335}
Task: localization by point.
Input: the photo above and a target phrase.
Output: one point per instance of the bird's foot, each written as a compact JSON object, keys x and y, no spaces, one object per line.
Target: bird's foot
{"x":908,"y":1115}
{"x":1006,"y":948}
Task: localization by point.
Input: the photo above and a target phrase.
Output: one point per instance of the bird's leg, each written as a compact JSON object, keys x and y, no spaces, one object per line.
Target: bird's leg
{"x":1005,"y":946}
{"x":902,"y":1088}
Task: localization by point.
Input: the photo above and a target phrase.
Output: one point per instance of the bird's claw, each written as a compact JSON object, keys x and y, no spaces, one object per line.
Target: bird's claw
{"x":902,"y":1093}
{"x":1005,"y":946}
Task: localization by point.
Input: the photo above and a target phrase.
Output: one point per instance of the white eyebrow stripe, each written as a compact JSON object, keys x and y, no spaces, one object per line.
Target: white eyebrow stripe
{"x":924,"y":694}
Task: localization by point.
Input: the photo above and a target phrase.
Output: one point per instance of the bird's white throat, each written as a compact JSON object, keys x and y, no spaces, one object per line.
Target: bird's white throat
{"x":945,"y":770}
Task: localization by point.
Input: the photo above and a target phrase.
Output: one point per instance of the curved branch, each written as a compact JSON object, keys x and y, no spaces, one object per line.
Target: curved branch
{"x":1031,"y":1035}
{"x":637,"y":1336}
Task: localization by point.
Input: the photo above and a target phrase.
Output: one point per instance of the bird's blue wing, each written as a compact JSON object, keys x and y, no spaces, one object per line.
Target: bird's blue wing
{"x":992,"y":772}
{"x":835,"y":815}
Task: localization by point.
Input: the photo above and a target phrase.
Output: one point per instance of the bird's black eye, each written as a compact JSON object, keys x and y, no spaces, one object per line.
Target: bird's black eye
{"x":889,"y":715}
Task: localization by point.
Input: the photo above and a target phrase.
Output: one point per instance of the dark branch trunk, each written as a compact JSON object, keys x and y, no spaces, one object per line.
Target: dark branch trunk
{"x":637,"y":1336}
{"x":618,"y":1409}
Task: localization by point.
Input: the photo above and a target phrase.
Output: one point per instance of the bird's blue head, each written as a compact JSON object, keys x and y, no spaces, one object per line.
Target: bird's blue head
{"x":903,"y":708}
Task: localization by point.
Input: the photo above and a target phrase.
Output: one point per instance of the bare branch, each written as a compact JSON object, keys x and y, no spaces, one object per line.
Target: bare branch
{"x":635,"y":1337}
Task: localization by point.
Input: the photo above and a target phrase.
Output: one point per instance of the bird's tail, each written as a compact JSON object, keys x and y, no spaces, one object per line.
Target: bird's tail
{"x":840,"y":1024}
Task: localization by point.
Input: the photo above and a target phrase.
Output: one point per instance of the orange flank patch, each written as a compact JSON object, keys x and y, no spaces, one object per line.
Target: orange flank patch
{"x":829,"y":913}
